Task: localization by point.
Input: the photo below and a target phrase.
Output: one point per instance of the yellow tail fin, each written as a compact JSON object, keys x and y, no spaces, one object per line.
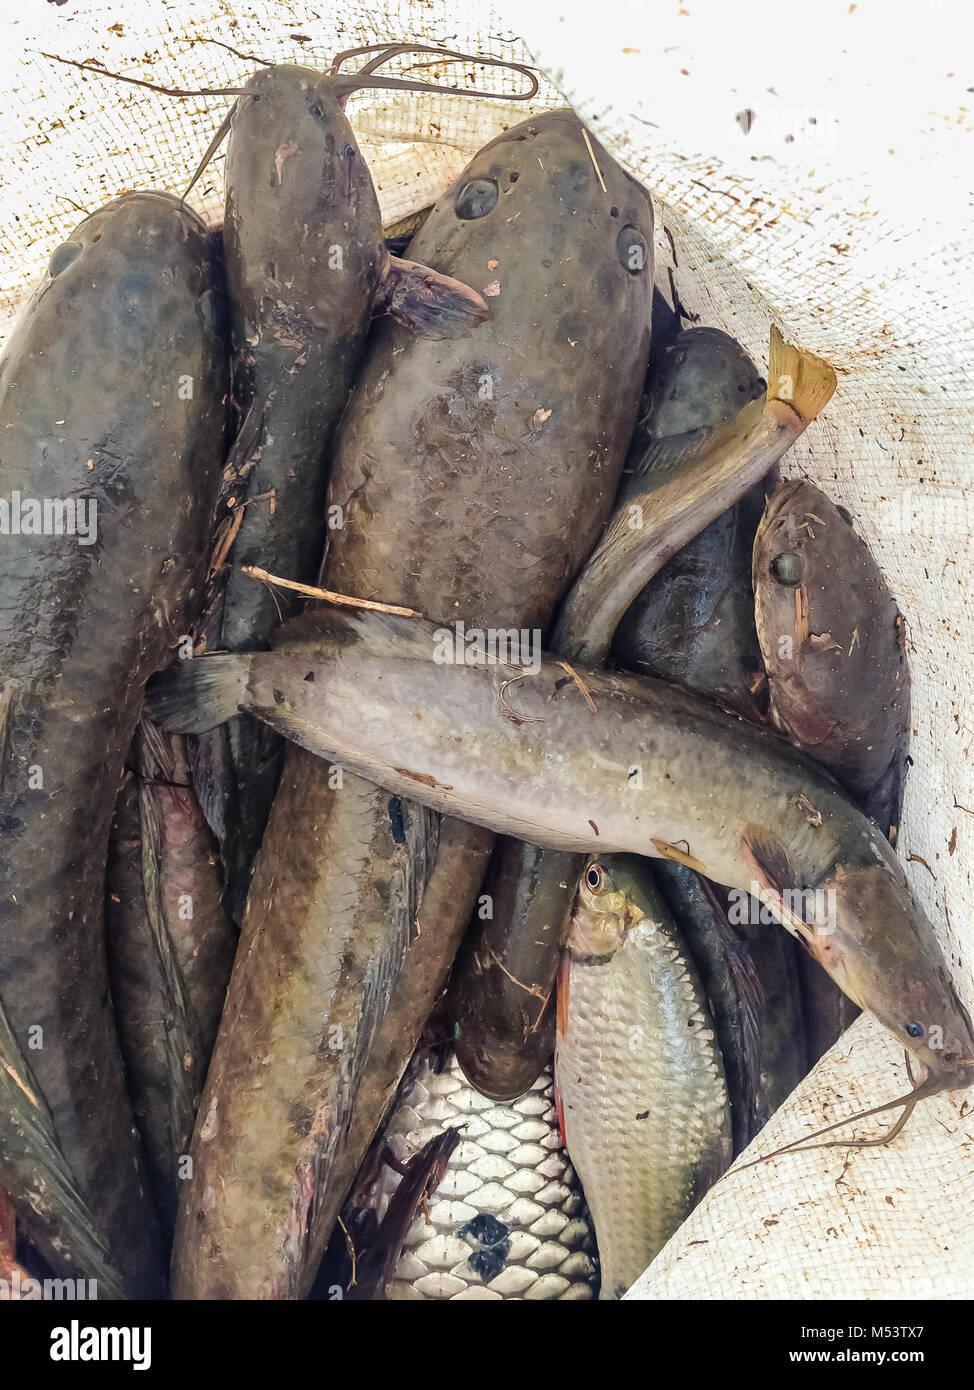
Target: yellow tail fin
{"x":802,"y":380}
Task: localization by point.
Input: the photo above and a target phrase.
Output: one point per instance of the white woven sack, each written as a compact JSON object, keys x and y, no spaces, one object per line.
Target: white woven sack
{"x":811,"y":168}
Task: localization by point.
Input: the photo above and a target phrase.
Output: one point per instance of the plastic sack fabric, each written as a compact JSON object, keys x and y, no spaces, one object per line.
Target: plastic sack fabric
{"x":810,"y":170}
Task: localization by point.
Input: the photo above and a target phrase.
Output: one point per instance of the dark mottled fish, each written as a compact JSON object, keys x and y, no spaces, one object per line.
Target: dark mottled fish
{"x":471,"y":478}
{"x":693,"y":623}
{"x":112,"y":393}
{"x":306,"y":266}
{"x":170,"y":948}
{"x":833,"y":642}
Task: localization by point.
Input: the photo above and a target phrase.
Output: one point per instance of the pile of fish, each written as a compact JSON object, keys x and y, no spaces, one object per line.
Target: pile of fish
{"x":448,"y":937}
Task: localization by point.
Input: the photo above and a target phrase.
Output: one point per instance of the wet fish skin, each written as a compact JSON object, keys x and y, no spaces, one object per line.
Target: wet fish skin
{"x":508,"y":1220}
{"x":694,"y":622}
{"x":298,"y":332}
{"x":682,"y":483}
{"x":638,"y":1071}
{"x":844,"y":694}
{"x":133,"y":416}
{"x":501,"y":997}
{"x":306,"y":268}
{"x":450,"y":441}
{"x":701,"y":381}
{"x":750,"y":974}
{"x":488,"y":743}
{"x":170,"y":949}
{"x":702,"y":378}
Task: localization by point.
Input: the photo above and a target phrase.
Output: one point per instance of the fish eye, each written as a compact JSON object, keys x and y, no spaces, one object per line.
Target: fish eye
{"x":915,"y":1030}
{"x":787,"y":568}
{"x":631,"y":250}
{"x":347,"y":152}
{"x":476,"y":199}
{"x":63,"y":256}
{"x":595,"y":877}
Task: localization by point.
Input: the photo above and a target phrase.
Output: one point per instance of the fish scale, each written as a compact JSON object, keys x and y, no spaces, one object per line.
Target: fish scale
{"x":508,"y":1220}
{"x":642,"y":1092}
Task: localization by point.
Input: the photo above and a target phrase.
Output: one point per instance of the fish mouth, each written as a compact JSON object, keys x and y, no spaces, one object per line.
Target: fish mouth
{"x":956,"y":1076}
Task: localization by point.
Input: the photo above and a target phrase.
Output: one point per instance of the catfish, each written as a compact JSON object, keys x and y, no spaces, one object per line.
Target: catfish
{"x":471,"y":478}
{"x":724,"y":438}
{"x":307,"y":267}
{"x":609,"y":763}
{"x":112,"y":403}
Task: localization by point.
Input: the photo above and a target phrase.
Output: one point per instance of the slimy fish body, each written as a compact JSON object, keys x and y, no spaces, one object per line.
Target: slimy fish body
{"x":651,"y":770}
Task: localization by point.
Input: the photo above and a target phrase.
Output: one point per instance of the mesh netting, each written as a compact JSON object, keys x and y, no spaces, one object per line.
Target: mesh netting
{"x":818,"y":178}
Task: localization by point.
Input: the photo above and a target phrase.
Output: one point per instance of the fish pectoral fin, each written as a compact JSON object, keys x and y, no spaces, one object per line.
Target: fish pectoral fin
{"x":775,"y":875}
{"x":194,"y":696}
{"x":431,"y":304}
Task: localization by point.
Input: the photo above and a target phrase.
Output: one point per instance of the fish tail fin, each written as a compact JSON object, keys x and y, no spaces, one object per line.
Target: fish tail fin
{"x":800,"y":379}
{"x":192,"y":697}
{"x":431,"y":304}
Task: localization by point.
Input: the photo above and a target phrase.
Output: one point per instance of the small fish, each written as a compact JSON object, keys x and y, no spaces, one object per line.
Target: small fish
{"x":638,"y":1070}
{"x":703,"y":378}
{"x":693,"y":623}
{"x":170,"y":949}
